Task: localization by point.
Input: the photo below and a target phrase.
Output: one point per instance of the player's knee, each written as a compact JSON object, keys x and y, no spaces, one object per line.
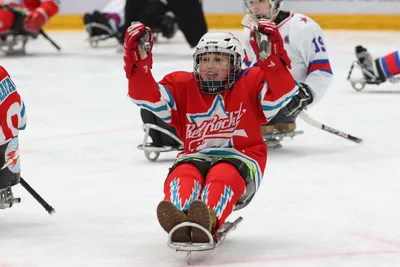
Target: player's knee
{"x":183,"y":185}
{"x":224,"y":186}
{"x":6,"y":20}
{"x":185,"y":173}
{"x":225,"y":171}
{"x":225,"y":177}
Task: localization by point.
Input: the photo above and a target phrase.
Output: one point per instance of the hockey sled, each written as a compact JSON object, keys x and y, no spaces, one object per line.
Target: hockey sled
{"x":273,"y":140}
{"x":12,"y":44}
{"x":94,"y":40}
{"x":358,"y":80}
{"x":7,"y":199}
{"x":152,"y":152}
{"x":214,"y":241}
{"x":13,"y":41}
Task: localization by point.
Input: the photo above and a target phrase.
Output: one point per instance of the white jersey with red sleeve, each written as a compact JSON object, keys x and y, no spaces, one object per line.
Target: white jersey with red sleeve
{"x":115,"y":9}
{"x":304,"y":43}
{"x":218,"y":125}
{"x":12,"y":109}
{"x":115,"y":6}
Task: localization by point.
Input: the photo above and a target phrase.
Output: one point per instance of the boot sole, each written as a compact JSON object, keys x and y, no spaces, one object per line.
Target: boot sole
{"x":169,"y":216}
{"x":199,"y":213}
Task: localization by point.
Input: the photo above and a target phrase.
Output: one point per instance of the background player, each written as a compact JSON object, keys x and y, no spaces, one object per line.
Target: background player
{"x":12,"y":120}
{"x":161,"y":16}
{"x":375,"y":71}
{"x":304,"y":43}
{"x":36,"y":14}
{"x":106,"y":23}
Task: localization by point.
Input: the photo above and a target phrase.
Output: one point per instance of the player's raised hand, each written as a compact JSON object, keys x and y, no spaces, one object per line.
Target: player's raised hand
{"x":269,"y":28}
{"x":138,"y":44}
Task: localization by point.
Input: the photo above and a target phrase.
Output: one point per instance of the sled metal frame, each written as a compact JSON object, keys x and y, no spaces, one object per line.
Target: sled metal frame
{"x":214,"y":241}
{"x":151,"y":152}
{"x":360,"y":83}
{"x":7,"y":199}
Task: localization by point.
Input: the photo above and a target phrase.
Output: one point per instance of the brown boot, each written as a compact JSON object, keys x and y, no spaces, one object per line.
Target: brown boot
{"x":267,"y":129}
{"x":199,"y":213}
{"x":285,"y":127}
{"x":169,"y":216}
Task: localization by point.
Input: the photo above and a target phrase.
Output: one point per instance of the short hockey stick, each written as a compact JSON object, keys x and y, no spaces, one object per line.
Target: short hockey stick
{"x":250,"y":22}
{"x":328,"y":129}
{"x":36,"y":196}
{"x":50,"y":40}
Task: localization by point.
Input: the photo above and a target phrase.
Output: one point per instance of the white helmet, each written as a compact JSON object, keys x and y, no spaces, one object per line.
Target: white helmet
{"x":263,"y":14}
{"x":222,"y":44}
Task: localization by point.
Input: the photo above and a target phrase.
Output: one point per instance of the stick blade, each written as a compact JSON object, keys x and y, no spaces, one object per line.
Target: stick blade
{"x":249,"y":21}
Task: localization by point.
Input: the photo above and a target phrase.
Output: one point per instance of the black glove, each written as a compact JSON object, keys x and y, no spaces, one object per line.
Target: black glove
{"x":299,"y":101}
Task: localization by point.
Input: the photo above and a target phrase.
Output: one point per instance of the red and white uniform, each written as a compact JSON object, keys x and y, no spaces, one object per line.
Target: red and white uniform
{"x":224,"y":125}
{"x":48,"y":7}
{"x":38,"y":12}
{"x":226,"y":154}
{"x":12,"y":109}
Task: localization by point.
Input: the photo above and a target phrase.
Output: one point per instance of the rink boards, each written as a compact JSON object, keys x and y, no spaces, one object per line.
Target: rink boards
{"x":232,"y":21}
{"x":227,"y":14}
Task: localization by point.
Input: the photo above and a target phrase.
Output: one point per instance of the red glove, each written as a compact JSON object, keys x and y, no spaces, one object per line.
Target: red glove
{"x":36,"y":19}
{"x":278,"y":51}
{"x":133,"y":59}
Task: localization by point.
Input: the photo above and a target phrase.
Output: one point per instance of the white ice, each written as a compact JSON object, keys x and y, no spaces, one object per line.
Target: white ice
{"x":324,"y":201}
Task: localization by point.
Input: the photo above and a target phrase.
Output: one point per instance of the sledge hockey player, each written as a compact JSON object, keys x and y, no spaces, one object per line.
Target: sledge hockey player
{"x":21,"y":21}
{"x":105,"y":24}
{"x":375,"y":71}
{"x":304,"y":43}
{"x":12,"y":120}
{"x":110,"y":21}
{"x":217,"y":111}
{"x":188,"y":15}
{"x":157,"y":15}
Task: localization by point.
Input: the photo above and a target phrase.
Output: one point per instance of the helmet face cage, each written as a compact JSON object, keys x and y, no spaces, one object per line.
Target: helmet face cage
{"x":214,"y":62}
{"x":273,"y":11}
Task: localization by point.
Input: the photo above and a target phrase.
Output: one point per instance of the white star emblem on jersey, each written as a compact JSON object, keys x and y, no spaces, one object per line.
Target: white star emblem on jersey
{"x":217,"y":109}
{"x":214,"y":128}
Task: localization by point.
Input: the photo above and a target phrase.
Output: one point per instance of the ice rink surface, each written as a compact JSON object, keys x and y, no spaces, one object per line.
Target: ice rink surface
{"x":324,"y":201}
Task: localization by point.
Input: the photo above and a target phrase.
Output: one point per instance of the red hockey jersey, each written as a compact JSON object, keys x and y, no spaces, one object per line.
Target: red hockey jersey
{"x":223,"y":125}
{"x":12,"y":109}
{"x":50,"y":7}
